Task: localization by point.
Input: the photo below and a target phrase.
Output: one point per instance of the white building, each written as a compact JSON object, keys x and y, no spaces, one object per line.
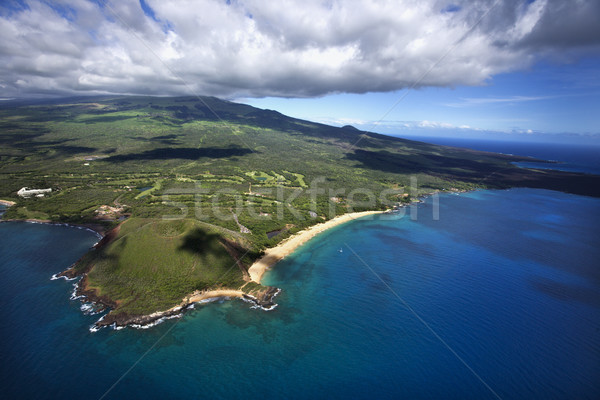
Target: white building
{"x":26,"y":192}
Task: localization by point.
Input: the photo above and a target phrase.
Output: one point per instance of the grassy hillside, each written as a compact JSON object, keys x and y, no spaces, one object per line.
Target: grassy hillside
{"x":92,"y":152}
{"x":151,"y":264}
{"x":232,"y":173}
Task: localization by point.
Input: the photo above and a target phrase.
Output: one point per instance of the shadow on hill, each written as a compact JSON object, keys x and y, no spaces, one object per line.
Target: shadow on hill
{"x":164,"y":139}
{"x":562,"y":181}
{"x":450,"y":167}
{"x":106,"y":119}
{"x":46,"y":148}
{"x":279,"y":122}
{"x":212,"y":109}
{"x":28,"y":142}
{"x":186,"y":153}
{"x":14,"y":138}
{"x":380,"y":160}
{"x":65,"y":149}
{"x":479,"y":171}
{"x":200,"y":242}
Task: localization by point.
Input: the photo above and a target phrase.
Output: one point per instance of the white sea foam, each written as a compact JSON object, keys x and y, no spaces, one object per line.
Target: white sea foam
{"x":66,"y":278}
{"x":67,"y":225}
{"x":154,"y":323}
{"x":95,"y":327}
{"x":213,"y":299}
{"x":274,"y":306}
{"x":74,"y":295}
{"x":253,"y":300}
{"x":91,"y":308}
{"x":192,"y":306}
{"x":98,"y":235}
{"x":180,"y":310}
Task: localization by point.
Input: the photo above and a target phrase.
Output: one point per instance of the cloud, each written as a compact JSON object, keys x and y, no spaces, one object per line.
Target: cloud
{"x":252,"y":48}
{"x":565,"y":24}
{"x":470,"y":101}
{"x":390,"y":126}
{"x":434,"y":124}
{"x":342,"y":121}
{"x":437,"y":129}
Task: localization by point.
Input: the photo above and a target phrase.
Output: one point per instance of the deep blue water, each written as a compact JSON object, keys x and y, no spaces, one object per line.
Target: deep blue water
{"x":572,"y":157}
{"x":509,"y":280}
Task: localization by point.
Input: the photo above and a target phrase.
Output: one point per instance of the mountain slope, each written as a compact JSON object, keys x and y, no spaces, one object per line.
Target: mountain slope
{"x":251,"y":177}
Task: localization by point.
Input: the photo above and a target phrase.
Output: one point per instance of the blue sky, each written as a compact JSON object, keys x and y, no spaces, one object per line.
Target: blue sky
{"x":523,"y":69}
{"x":546,"y":99}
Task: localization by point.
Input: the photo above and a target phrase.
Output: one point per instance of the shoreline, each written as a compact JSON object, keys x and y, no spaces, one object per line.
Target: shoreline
{"x":7,"y":203}
{"x":260,"y":299}
{"x":96,"y":228}
{"x":289,"y":245}
{"x":149,"y":320}
{"x":210,"y":294}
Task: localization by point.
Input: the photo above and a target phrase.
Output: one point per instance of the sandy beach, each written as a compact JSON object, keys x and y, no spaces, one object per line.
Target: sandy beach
{"x":286,"y":247}
{"x":7,"y":203}
{"x":196,"y":297}
{"x":151,"y":319}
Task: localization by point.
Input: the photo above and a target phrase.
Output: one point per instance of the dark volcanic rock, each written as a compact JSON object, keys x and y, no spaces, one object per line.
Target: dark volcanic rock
{"x":264,"y":299}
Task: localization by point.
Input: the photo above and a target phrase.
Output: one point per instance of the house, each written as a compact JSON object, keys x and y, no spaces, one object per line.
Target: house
{"x":27,"y":193}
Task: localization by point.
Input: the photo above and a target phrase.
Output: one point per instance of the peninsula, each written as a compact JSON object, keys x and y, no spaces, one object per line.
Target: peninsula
{"x":198,"y":196}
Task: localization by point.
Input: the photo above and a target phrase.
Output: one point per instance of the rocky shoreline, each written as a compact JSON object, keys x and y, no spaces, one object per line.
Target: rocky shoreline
{"x":98,"y":229}
{"x":262,"y":299}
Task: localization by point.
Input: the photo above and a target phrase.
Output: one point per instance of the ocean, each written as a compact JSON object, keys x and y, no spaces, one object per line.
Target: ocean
{"x":499,"y":297}
{"x":569,"y":157}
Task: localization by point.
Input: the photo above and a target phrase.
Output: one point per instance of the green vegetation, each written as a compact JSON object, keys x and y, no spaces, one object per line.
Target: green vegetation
{"x":268,"y":171}
{"x":131,"y":272}
{"x":157,"y":185}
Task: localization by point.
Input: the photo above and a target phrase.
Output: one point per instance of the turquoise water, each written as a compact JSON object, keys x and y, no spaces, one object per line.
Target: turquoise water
{"x":508,"y":280}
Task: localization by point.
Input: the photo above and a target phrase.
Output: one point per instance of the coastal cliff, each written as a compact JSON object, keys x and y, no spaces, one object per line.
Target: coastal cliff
{"x":183,"y":248}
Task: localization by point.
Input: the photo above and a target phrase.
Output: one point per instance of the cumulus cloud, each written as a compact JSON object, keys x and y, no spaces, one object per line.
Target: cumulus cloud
{"x":252,"y":48}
